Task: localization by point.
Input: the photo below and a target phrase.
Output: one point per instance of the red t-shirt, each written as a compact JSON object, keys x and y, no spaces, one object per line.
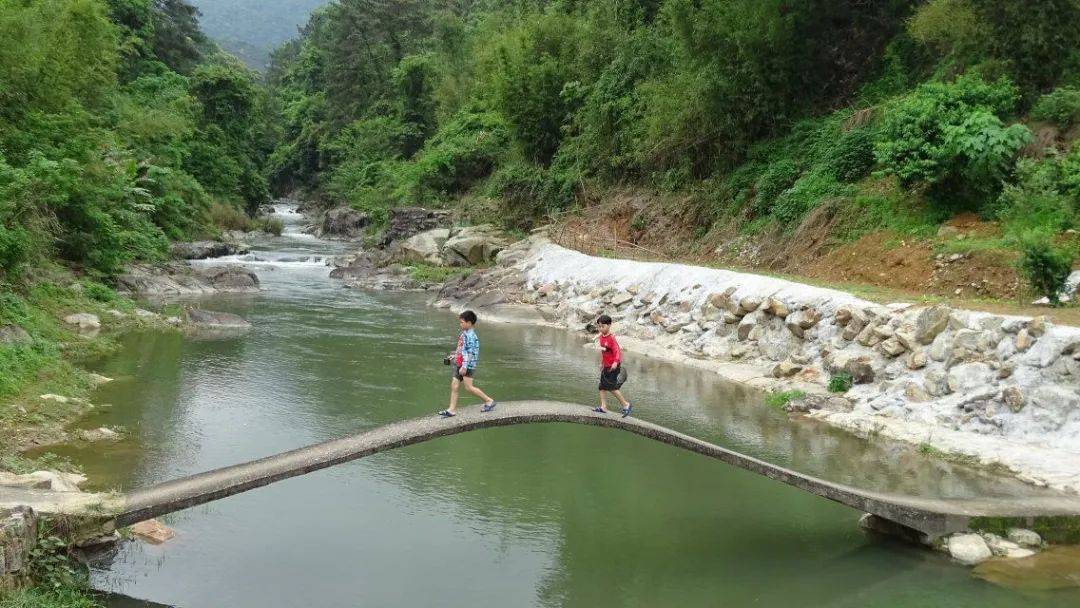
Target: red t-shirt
{"x":612,"y":354}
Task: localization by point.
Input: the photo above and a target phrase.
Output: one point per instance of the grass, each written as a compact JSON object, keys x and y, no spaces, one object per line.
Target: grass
{"x":972,"y":245}
{"x":1056,"y":530}
{"x":48,"y":362}
{"x":430,"y":273}
{"x":38,"y":597}
{"x":840,"y":382}
{"x":779,"y":400}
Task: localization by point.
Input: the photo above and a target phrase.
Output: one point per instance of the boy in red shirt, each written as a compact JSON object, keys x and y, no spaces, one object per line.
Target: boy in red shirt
{"x":612,"y":375}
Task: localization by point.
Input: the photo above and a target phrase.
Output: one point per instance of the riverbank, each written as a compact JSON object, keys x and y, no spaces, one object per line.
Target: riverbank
{"x":1000,"y":391}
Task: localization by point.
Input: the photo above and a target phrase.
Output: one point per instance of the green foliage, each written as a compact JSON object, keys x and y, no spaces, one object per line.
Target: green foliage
{"x":1041,"y":199}
{"x":779,"y":400}
{"x":50,"y":566}
{"x":805,"y":194}
{"x":105,"y":143}
{"x":463,"y":151}
{"x":428,"y":273}
{"x":527,"y":191}
{"x":953,"y":27}
{"x":840,"y":382}
{"x":37,"y":597}
{"x":950,"y":136}
{"x":852,"y":156}
{"x":1061,"y":107}
{"x":777,"y":178}
{"x":1045,"y":266}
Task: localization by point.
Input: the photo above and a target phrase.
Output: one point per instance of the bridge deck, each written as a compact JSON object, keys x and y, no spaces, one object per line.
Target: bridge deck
{"x":930,"y":516}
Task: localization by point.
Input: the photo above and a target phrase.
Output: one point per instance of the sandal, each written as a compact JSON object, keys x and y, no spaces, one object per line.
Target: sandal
{"x":599,"y":410}
{"x":490,"y":406}
{"x":447,"y":414}
{"x":626,"y":410}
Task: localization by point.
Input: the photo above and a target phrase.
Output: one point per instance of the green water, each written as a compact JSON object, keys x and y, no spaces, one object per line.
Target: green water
{"x":543,"y":515}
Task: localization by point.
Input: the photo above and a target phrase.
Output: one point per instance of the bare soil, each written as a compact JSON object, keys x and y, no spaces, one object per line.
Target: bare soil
{"x":964,"y":265}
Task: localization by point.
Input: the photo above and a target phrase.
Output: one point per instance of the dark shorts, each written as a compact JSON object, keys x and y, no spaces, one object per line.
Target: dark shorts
{"x":612,"y":380}
{"x":455,"y":373}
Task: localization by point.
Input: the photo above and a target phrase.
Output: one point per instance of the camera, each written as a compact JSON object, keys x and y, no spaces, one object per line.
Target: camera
{"x":448,"y":359}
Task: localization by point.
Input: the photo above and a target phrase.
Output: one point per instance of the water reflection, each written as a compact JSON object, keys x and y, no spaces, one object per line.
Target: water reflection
{"x":544,"y":515}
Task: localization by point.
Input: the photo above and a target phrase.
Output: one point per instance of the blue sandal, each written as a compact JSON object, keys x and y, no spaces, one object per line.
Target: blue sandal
{"x":447,"y":414}
{"x":489,"y":406}
{"x":599,"y":410}
{"x":626,"y":410}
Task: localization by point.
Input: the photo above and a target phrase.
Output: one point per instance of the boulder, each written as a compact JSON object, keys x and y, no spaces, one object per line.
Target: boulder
{"x":201,"y":250}
{"x":621,"y":298}
{"x":425,"y":247}
{"x":344,"y":222}
{"x":13,"y":335}
{"x":1037,"y":326}
{"x":936,"y":383}
{"x":749,"y":304}
{"x":786,"y":369}
{"x":930,"y":322}
{"x":892,"y":347}
{"x":407,"y":221}
{"x":861,"y":369}
{"x":916,"y":393}
{"x":152,"y":531}
{"x":801,"y":320}
{"x":213,"y":319}
{"x":917,"y":360}
{"x":98,"y":434}
{"x":969,"y":377}
{"x":1024,"y":537}
{"x":1014,"y":398}
{"x":473,"y":245}
{"x":1024,"y":340}
{"x":233,"y":279}
{"x":968,"y":549}
{"x":776,"y":308}
{"x":83,"y":321}
{"x":1006,"y":548}
{"x":1053,"y":403}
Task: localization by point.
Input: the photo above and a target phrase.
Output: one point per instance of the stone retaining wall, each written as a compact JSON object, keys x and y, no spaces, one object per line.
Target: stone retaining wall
{"x":1008,"y":386}
{"x":18,"y":535}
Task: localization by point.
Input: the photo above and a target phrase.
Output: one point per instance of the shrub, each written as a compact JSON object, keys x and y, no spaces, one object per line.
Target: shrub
{"x":805,"y":194}
{"x":228,"y":217}
{"x":527,"y":192}
{"x":776,"y":178}
{"x":272,"y":225}
{"x":1038,"y":200}
{"x":1061,"y":107}
{"x":1045,"y":266}
{"x":779,"y":400}
{"x":840,"y":382}
{"x":852,"y":156}
{"x":462,"y":152}
{"x":99,"y":292}
{"x":949,"y":136}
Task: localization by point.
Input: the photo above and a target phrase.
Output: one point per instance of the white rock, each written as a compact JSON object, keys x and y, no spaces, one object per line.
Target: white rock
{"x":969,"y":376}
{"x":968,"y":549}
{"x":1024,"y":537}
{"x":1006,"y":548}
{"x":83,"y":320}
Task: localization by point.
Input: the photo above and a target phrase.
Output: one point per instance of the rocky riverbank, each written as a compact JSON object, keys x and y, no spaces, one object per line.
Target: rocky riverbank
{"x":992,"y":389}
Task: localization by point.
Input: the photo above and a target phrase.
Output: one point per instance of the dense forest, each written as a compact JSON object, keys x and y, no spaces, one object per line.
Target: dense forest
{"x":897,"y":114}
{"x":122,"y":128}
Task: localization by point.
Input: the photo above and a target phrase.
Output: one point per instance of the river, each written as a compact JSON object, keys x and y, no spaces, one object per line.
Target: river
{"x":542,"y":515}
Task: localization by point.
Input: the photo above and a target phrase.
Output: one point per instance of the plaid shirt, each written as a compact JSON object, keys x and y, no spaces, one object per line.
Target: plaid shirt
{"x":468,"y":349}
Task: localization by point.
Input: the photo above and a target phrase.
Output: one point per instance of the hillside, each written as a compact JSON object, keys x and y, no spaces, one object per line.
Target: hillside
{"x":252,"y":29}
{"x":764,"y":134}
